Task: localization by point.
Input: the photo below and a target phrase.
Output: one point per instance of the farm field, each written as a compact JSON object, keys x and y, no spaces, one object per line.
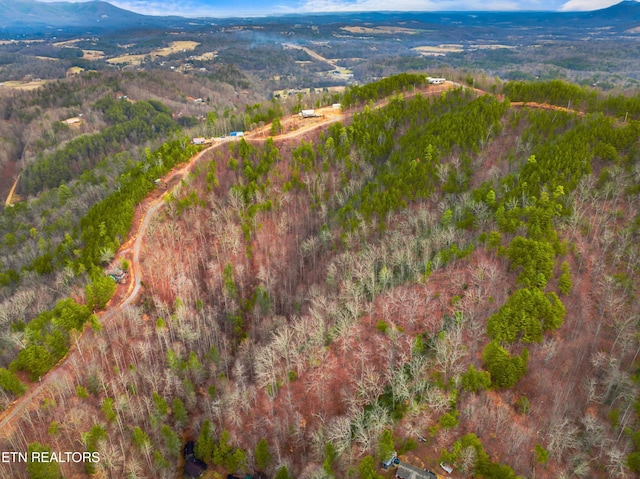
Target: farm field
{"x":174,"y":47}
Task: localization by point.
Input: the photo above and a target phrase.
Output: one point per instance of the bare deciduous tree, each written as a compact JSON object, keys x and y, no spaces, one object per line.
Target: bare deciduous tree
{"x":449,"y":350}
{"x":563,"y":436}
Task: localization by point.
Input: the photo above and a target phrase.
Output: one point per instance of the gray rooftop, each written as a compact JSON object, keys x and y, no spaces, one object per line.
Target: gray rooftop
{"x":408,"y":471}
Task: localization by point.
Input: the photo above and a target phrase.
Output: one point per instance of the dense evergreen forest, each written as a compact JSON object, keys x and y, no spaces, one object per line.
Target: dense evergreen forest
{"x":451,"y":276}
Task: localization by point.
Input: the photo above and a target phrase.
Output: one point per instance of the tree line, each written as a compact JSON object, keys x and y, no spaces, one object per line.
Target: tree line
{"x":381,"y":89}
{"x":561,"y":93}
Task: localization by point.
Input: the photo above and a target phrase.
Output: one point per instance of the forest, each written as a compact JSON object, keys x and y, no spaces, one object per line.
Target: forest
{"x":452,"y":276}
{"x":127,"y":124}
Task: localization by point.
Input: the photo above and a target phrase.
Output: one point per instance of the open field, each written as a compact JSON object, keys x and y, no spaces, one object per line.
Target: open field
{"x":439,"y":50}
{"x":92,"y":55}
{"x":73,"y":122}
{"x":68,"y":42}
{"x":18,"y":85}
{"x":74,"y":71}
{"x":384,"y":30}
{"x":491,"y":46}
{"x":442,"y":50}
{"x":207,"y":56}
{"x":174,"y":47}
{"x":333,"y":63}
{"x":128,"y":59}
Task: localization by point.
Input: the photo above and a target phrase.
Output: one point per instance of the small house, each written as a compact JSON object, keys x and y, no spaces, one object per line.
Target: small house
{"x":193,"y":467}
{"x":198,"y":141}
{"x":409,"y":471}
{"x":308,"y":113}
{"x":437,"y":81}
{"x":392,"y":460}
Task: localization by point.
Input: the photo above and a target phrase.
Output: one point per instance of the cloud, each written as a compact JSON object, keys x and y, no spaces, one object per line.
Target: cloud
{"x":407,"y":5}
{"x":364,"y":5}
{"x":215,"y":8}
{"x":166,"y":8}
{"x":193,"y":8}
{"x":148,"y":7}
{"x":586,"y":5}
{"x":223,"y":8}
{"x":189,"y":9}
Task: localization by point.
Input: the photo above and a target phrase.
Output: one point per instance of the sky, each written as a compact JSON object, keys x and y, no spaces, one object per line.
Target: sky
{"x":227,"y":8}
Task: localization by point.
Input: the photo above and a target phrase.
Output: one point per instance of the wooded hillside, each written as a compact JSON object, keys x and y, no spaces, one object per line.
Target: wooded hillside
{"x":453,"y":277}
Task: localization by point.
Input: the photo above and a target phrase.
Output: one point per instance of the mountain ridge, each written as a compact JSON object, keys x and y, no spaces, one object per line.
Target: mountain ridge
{"x":31,"y":16}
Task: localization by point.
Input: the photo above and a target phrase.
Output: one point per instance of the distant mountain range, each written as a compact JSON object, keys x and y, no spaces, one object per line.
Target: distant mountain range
{"x":31,"y":17}
{"x":620,"y":18}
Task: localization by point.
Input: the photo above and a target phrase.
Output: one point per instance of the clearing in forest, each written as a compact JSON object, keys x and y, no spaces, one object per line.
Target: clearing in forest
{"x":174,"y":47}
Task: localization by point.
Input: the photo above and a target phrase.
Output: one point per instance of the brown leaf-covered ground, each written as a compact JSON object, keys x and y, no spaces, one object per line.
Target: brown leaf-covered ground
{"x":303,"y":365}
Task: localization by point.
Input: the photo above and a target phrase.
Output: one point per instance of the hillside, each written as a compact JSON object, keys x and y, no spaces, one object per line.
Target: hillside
{"x":450,"y":275}
{"x":78,"y":182}
{"x":34,"y":17}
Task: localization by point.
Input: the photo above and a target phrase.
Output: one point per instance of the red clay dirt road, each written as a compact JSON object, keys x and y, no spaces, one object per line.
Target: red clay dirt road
{"x":149,"y":207}
{"x":133,"y":247}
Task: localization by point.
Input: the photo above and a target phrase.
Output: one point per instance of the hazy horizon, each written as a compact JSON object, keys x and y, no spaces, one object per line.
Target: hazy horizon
{"x":248,"y":8}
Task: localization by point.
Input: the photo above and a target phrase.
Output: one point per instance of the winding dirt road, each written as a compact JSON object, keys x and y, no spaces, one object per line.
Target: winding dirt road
{"x":134,"y":244}
{"x":151,"y":206}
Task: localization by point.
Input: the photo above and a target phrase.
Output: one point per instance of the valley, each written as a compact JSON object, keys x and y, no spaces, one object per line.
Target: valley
{"x":576,"y":46}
